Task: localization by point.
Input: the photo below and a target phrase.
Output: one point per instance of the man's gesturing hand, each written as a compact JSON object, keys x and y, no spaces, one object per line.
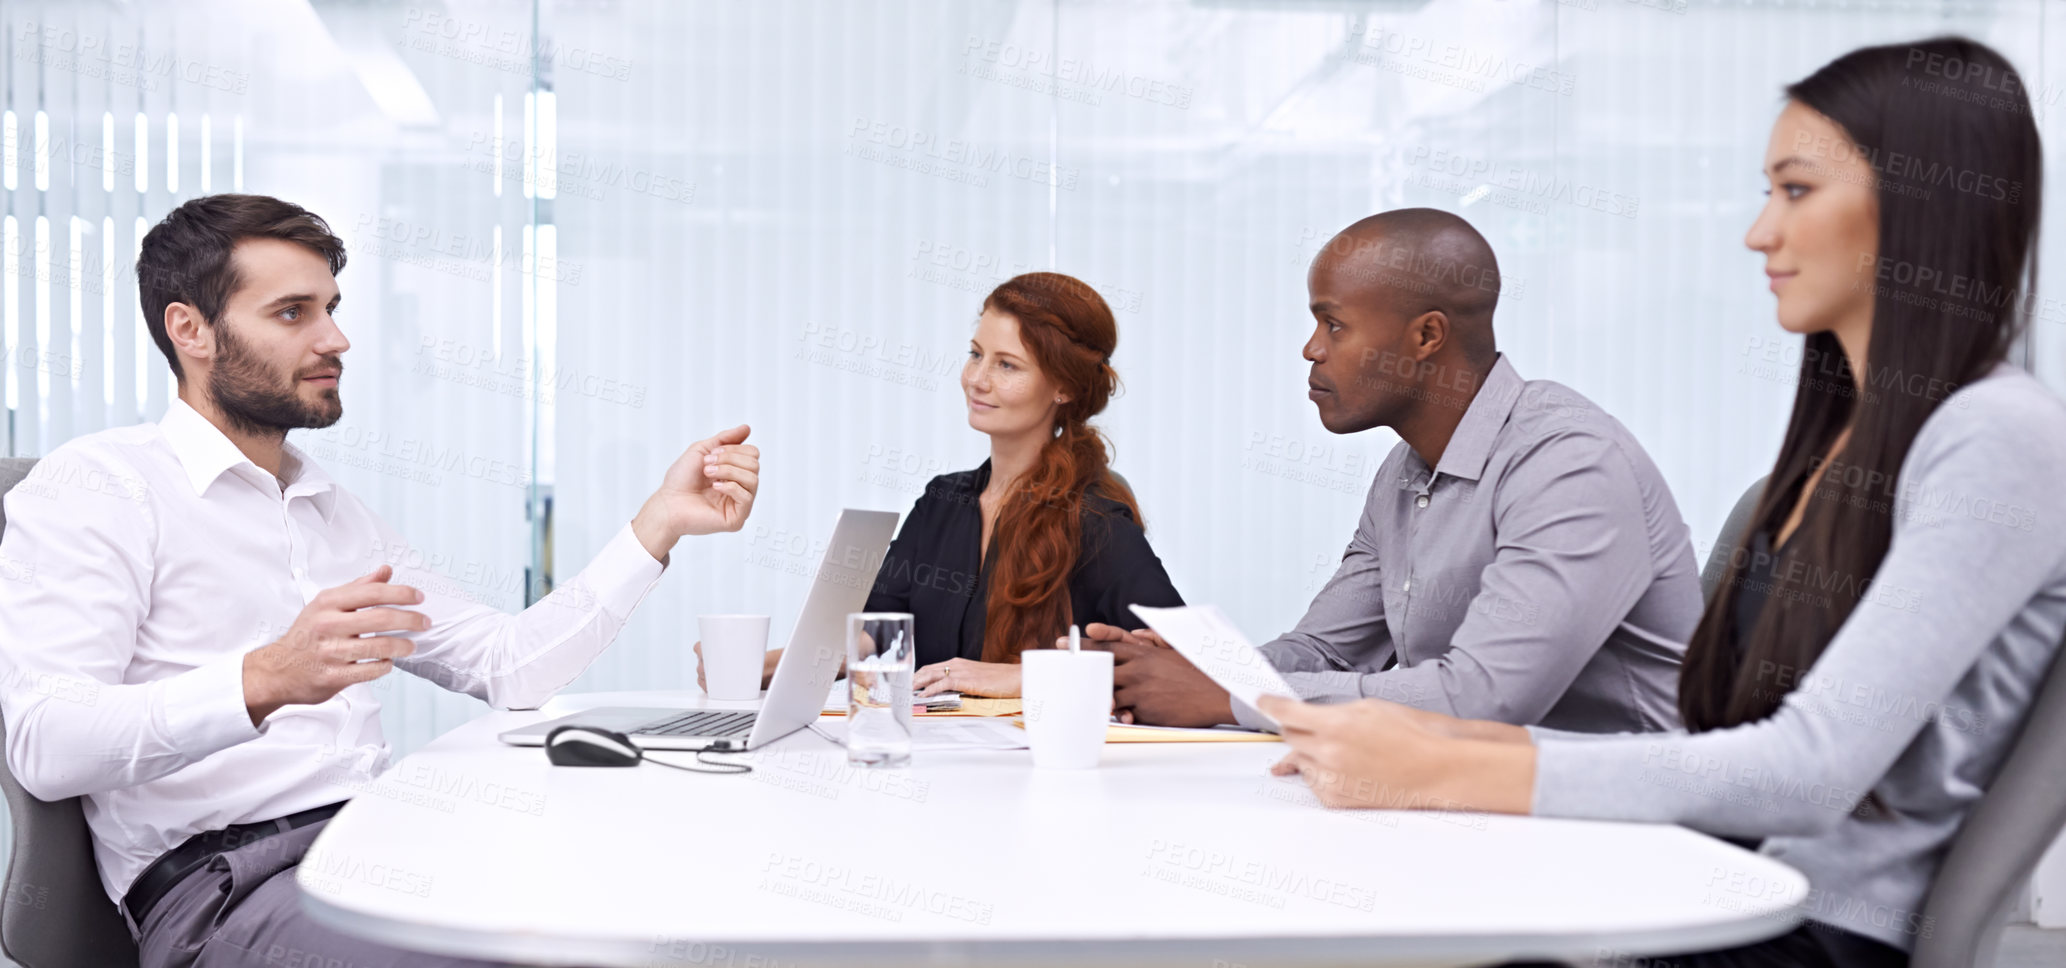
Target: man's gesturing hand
{"x":710,"y":488}
{"x":321,"y":654}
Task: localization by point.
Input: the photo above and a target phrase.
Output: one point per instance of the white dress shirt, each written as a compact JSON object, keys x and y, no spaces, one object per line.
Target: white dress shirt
{"x":147,"y":560}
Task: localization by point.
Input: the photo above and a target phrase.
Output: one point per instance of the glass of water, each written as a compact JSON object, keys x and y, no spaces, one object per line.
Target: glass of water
{"x":880,"y":660}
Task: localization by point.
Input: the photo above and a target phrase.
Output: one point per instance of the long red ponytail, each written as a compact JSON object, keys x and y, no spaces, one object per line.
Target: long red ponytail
{"x":1069,"y":330}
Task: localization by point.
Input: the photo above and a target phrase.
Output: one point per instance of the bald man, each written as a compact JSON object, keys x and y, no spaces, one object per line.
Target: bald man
{"x":1519,"y":558}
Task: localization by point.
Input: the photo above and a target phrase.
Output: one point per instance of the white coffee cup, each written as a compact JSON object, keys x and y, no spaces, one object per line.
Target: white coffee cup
{"x":735,"y":649}
{"x":1068,"y":703}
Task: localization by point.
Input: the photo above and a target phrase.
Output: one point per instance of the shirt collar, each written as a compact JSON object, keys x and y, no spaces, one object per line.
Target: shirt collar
{"x":305,"y":476}
{"x":205,"y":453}
{"x":1470,"y":446}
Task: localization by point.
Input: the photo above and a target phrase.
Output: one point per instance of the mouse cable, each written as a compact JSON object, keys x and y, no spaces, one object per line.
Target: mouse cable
{"x":723,"y":769}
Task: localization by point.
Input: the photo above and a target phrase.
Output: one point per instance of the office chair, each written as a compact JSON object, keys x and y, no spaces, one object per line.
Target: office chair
{"x":2000,"y":842}
{"x":55,"y":913}
{"x":1726,"y":542}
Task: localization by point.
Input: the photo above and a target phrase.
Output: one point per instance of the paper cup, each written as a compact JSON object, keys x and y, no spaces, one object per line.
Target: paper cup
{"x":734,"y":651}
{"x":1068,"y":703}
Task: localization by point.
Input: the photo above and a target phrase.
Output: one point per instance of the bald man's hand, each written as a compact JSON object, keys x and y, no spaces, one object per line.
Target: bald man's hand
{"x":1162,"y":688}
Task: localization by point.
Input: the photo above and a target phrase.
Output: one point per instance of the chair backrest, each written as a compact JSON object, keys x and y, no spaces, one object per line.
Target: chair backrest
{"x":1725,"y":542}
{"x":2001,"y":840}
{"x":55,"y":913}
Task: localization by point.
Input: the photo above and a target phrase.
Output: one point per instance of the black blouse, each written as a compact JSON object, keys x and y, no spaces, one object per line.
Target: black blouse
{"x":1756,"y":582}
{"x":934,"y":571}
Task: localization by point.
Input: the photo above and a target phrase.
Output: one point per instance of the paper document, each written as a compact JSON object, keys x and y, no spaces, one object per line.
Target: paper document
{"x":937,"y":735}
{"x":1142,"y":733}
{"x":976,"y":706}
{"x":836,"y":700}
{"x":1204,"y":635}
{"x":1137,"y":733}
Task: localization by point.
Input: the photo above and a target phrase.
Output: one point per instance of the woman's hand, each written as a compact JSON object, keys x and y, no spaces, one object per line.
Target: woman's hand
{"x":999,"y":680}
{"x":1372,"y":753}
{"x":767,"y":668}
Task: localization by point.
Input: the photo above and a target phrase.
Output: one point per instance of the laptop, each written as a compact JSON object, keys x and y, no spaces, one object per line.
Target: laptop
{"x":806,"y":671}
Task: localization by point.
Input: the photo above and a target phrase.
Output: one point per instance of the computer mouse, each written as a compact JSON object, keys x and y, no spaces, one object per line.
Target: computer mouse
{"x":576,"y":745}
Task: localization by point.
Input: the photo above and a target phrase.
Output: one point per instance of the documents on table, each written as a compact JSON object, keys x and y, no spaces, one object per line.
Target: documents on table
{"x":944,"y":704}
{"x":937,"y":735}
{"x":975,"y":706}
{"x":1138,"y":733}
{"x":1204,"y":635}
{"x":835,"y":701}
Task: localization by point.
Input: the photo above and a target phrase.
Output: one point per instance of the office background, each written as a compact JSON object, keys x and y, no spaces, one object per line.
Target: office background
{"x":584,"y":234}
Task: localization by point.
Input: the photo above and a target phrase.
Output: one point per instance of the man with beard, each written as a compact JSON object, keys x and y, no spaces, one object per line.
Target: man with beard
{"x":194,"y":649}
{"x":1519,"y":559}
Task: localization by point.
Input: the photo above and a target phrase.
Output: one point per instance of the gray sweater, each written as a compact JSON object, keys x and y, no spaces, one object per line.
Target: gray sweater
{"x":1916,"y":700}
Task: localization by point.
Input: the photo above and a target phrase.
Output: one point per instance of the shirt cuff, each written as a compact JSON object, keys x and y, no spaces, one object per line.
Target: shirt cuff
{"x":1597,"y":778}
{"x":205,"y":710}
{"x":1563,"y":784}
{"x":1326,"y":687}
{"x":621,"y":574}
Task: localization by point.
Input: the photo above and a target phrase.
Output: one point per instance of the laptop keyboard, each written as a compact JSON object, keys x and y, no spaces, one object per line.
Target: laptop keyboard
{"x":700,"y":723}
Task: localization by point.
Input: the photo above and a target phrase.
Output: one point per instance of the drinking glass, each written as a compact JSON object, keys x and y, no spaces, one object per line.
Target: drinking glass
{"x":880,"y":661}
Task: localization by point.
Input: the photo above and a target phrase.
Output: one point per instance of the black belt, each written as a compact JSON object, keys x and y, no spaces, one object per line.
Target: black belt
{"x":173,"y":865}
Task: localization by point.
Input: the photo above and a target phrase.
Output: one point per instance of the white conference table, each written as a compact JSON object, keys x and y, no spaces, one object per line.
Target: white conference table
{"x":1173,"y":854}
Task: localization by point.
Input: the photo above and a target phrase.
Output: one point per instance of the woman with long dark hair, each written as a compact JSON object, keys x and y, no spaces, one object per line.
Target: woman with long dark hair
{"x":1900,"y":591}
{"x":1003,"y":558}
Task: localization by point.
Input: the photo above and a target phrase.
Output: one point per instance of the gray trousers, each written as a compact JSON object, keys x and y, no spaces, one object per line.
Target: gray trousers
{"x":243,"y":910}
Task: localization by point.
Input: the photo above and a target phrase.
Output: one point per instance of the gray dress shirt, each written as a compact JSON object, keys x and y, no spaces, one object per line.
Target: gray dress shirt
{"x":1915,"y":700}
{"x":1539,"y":574}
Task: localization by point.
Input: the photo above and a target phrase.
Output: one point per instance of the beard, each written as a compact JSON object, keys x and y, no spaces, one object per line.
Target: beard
{"x":259,"y":399}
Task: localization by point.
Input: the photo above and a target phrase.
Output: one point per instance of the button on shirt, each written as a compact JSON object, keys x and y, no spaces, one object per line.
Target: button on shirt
{"x":152,"y":558}
{"x":1540,"y":573}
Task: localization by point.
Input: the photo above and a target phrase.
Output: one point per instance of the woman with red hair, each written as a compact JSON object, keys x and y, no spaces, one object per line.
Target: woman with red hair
{"x":1003,"y":558}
